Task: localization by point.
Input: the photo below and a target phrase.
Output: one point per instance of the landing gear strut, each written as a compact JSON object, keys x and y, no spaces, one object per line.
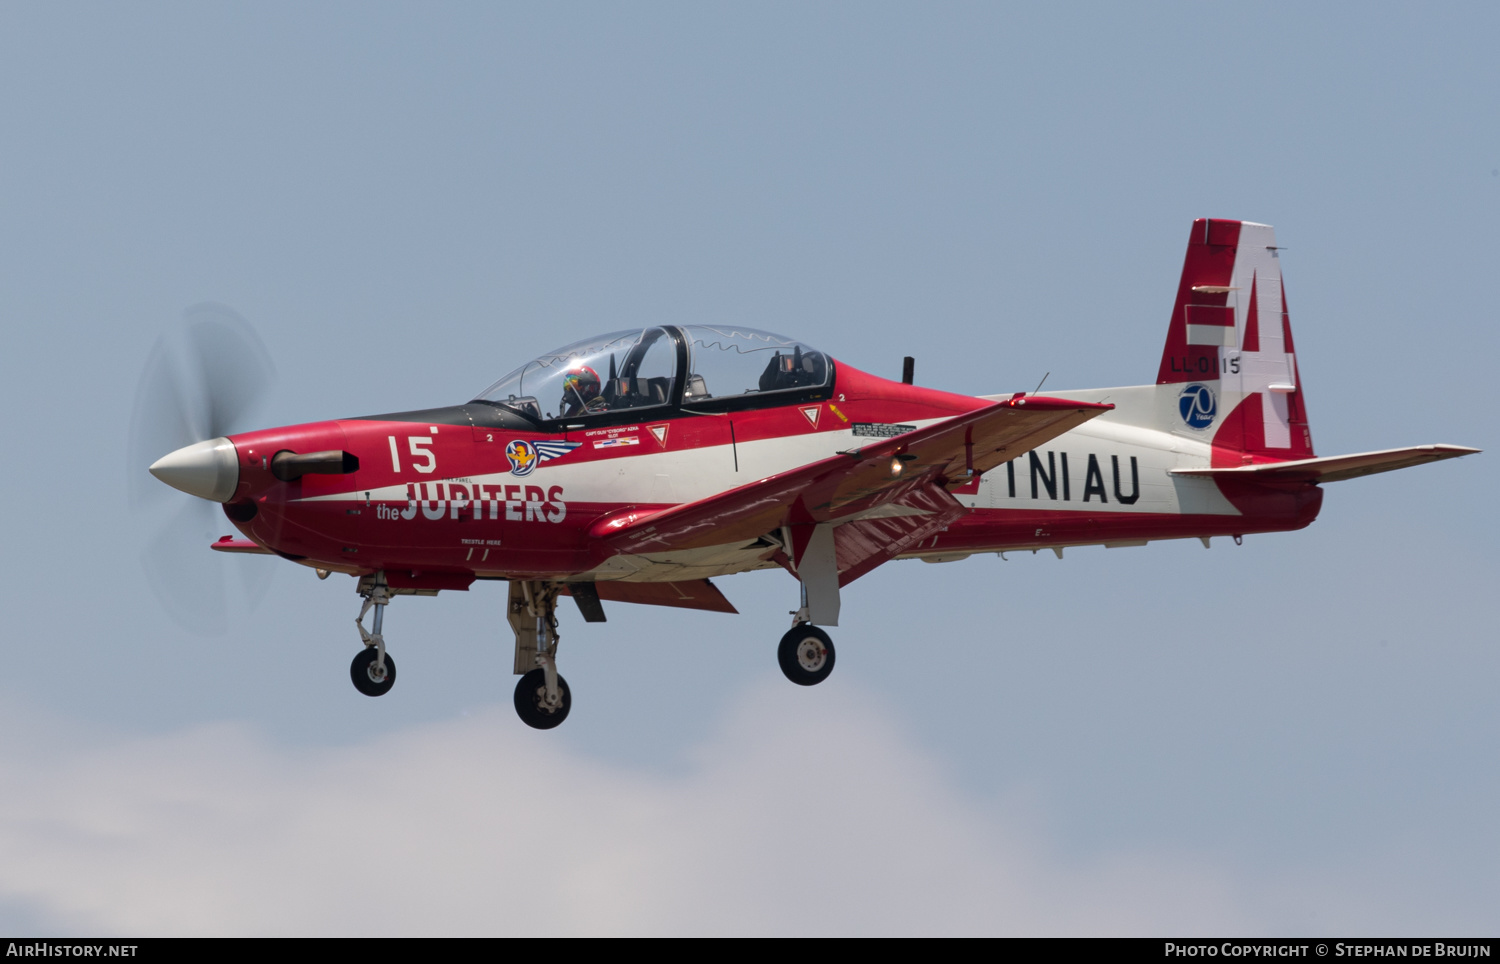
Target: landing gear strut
{"x":542,"y":696}
{"x":373,"y":672}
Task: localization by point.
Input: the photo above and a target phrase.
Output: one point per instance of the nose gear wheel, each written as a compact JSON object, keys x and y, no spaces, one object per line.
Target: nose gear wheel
{"x":369,"y":678}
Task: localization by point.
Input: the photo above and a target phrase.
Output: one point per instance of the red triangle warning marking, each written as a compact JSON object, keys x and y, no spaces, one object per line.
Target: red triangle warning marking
{"x":660,"y":431}
{"x":812,"y":414}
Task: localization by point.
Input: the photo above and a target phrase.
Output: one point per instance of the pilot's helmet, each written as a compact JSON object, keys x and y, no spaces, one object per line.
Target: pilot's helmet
{"x":580,"y":382}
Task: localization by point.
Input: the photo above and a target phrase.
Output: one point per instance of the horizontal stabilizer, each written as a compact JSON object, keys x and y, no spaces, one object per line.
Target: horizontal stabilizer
{"x":1335,"y":468}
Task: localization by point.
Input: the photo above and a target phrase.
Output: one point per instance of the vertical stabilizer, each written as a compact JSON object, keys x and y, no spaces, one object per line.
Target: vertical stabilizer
{"x":1229,"y":346}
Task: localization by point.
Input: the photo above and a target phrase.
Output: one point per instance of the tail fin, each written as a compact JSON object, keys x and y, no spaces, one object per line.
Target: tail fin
{"x":1230,"y":345}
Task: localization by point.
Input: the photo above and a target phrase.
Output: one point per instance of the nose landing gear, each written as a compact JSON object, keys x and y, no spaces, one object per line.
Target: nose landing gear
{"x":373,"y":672}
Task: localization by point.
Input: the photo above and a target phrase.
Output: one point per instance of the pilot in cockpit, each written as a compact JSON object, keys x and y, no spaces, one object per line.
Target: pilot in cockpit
{"x":796,"y":370}
{"x":581,"y":392}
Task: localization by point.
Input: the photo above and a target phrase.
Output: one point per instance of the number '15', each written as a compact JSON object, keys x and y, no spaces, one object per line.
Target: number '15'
{"x":418,"y":446}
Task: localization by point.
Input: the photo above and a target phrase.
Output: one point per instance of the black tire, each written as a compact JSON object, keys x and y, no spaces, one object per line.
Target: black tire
{"x":806,"y":655}
{"x":531,"y":706}
{"x":363,"y":667}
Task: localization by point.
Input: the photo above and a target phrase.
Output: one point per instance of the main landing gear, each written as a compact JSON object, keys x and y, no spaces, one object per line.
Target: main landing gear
{"x":373,"y":672}
{"x":805,"y":653}
{"x":542,"y":696}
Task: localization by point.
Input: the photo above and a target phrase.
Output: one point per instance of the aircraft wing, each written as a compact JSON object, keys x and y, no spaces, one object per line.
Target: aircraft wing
{"x":907,"y":476}
{"x":1335,"y":468}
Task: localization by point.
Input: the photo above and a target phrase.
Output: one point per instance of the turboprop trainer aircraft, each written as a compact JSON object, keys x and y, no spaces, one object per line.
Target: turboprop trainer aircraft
{"x":638,"y":465}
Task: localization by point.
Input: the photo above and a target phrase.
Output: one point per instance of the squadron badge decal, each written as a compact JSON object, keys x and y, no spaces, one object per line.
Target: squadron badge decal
{"x":524,"y":456}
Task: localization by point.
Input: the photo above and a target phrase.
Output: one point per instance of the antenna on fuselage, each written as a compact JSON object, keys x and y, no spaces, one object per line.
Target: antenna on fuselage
{"x":1040,"y":384}
{"x":908,"y":369}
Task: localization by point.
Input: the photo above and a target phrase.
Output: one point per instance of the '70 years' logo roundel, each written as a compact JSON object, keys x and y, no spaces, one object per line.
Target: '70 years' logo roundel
{"x":1197,"y":405}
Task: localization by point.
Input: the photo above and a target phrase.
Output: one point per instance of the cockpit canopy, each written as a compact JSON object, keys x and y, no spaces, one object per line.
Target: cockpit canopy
{"x":694,"y":367}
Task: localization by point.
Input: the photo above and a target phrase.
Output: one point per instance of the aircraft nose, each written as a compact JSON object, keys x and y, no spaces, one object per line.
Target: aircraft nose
{"x":210,"y":470}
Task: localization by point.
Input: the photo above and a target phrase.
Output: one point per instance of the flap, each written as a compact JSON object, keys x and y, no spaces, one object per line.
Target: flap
{"x":689,"y":594}
{"x":879,"y":536}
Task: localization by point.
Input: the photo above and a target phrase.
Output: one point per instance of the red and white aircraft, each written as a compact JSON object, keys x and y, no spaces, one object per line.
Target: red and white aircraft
{"x":636,"y":466}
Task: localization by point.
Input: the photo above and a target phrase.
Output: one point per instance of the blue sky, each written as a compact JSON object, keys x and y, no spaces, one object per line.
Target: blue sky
{"x":1296,"y":735}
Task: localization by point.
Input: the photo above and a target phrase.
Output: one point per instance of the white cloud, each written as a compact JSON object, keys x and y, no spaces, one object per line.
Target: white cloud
{"x":798,"y":816}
